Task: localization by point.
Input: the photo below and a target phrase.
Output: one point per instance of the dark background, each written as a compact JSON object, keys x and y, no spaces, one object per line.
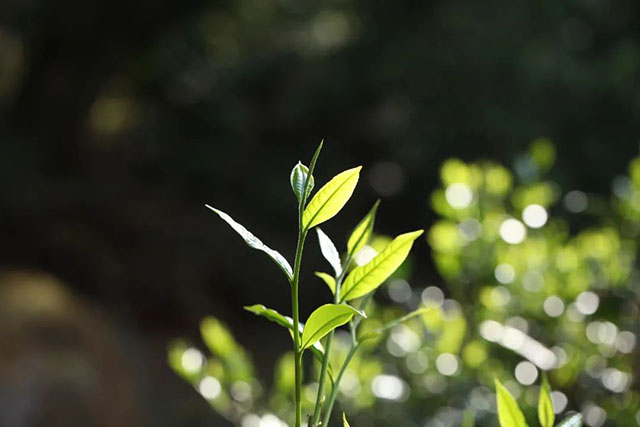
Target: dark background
{"x":120,"y":119}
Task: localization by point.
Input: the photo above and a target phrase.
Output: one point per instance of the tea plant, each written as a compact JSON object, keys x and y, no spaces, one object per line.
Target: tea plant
{"x":510,"y":415}
{"x":352,"y":286}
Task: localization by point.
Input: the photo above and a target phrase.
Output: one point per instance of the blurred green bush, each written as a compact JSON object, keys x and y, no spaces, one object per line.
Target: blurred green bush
{"x":521,"y":294}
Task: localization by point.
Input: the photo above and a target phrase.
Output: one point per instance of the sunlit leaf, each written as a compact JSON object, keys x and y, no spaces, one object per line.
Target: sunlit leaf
{"x":368,"y":277}
{"x":270,"y":314}
{"x":255,"y":243}
{"x":362,"y":233}
{"x":509,"y":414}
{"x":344,"y":421}
{"x":325,"y":319}
{"x":298,"y":177}
{"x":287,"y":322}
{"x":571,"y":421}
{"x":387,"y":326}
{"x":328,"y":279}
{"x":329,"y":251}
{"x":328,"y":201}
{"x":545,"y":407}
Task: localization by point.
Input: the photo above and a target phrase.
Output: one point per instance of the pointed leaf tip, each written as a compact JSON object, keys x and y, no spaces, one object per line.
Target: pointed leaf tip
{"x":546,"y":416}
{"x":509,"y":413}
{"x":331,"y":198}
{"x":370,"y":276}
{"x":325,"y":319}
{"x":255,"y":243}
{"x":329,"y":251}
{"x":362,"y":232}
{"x":298,"y":179}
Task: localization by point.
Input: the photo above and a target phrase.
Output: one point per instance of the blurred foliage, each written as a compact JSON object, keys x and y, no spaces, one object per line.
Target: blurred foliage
{"x":116,"y":118}
{"x":522,"y":295}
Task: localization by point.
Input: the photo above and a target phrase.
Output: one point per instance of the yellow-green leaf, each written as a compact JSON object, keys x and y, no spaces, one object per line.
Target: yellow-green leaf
{"x":287,"y":322}
{"x":325,"y":319}
{"x":362,"y":233}
{"x":328,"y":279}
{"x":545,"y":407}
{"x":368,"y":277}
{"x":328,"y":201}
{"x":344,"y":421}
{"x":509,"y":414}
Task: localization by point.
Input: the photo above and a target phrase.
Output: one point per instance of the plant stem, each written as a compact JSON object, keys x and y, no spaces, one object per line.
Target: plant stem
{"x":327,"y":347}
{"x":334,"y":390}
{"x":296,"y":322}
{"x":295,"y":281}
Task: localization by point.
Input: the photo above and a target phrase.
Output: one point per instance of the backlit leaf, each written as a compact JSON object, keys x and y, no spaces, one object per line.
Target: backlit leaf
{"x":298,"y":177}
{"x":384,"y":328}
{"x":328,"y":279}
{"x":287,"y":322}
{"x":270,"y":314}
{"x":255,"y":243}
{"x":329,"y":251}
{"x":545,"y":407}
{"x":325,"y":319}
{"x":362,"y":233}
{"x":509,"y":414}
{"x":328,"y":201}
{"x":344,"y":421}
{"x":368,"y":277}
{"x":572,"y":421}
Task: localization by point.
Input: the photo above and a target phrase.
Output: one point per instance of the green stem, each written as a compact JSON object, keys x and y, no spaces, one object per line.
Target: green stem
{"x":295,"y":281}
{"x":296,"y":329}
{"x":334,"y":390}
{"x":327,"y":347}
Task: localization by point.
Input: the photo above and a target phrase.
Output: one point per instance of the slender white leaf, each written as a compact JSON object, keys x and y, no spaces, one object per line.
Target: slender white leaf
{"x":329,"y":251}
{"x":572,"y":421}
{"x":255,"y":243}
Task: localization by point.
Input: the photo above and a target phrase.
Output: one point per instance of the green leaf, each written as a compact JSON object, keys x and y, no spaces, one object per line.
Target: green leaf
{"x":329,"y":251}
{"x":344,"y":421}
{"x":509,"y":413}
{"x":255,"y":243}
{"x":328,"y":279}
{"x":368,"y":277}
{"x":469,"y":417}
{"x":287,"y":322}
{"x":270,"y":314}
{"x":325,"y":319}
{"x":384,"y":328}
{"x":328,"y":201}
{"x":545,"y":407}
{"x":362,"y":233}
{"x":298,"y":178}
{"x":572,"y":421}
